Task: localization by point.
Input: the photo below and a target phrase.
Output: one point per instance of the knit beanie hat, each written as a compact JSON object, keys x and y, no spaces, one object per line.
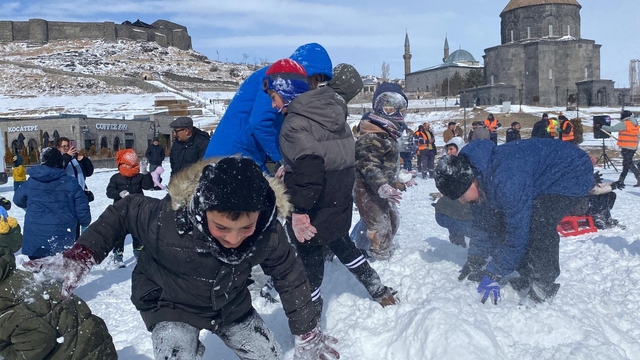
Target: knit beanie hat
{"x":287,"y":78}
{"x":454,"y":175}
{"x":232,"y":184}
{"x":51,"y":157}
{"x":127,"y":162}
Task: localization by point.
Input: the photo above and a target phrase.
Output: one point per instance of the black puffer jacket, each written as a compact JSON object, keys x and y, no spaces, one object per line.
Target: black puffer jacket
{"x":134,"y":185}
{"x":191,"y":278}
{"x":318,"y":149}
{"x":190,"y":152}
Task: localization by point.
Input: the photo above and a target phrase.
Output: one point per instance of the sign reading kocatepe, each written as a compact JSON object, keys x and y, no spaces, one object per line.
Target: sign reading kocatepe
{"x":25,"y":128}
{"x":117,"y":127}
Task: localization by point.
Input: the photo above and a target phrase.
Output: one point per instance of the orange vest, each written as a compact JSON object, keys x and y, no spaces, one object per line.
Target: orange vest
{"x":421,"y":134}
{"x":491,"y":125}
{"x":569,"y":136}
{"x":628,"y":138}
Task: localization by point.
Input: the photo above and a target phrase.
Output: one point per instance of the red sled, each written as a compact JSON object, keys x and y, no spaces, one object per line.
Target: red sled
{"x":576,"y":225}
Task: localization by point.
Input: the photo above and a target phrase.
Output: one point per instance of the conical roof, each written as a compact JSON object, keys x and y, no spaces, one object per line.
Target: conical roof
{"x":515,"y":4}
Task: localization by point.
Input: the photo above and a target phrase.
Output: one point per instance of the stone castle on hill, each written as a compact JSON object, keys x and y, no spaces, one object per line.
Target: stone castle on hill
{"x":38,"y":32}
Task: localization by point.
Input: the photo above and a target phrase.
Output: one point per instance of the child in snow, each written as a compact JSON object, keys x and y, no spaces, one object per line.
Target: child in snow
{"x":19,"y":173}
{"x":516,"y":206}
{"x":317,"y":149}
{"x":452,"y":214}
{"x":200,"y":244}
{"x":377,"y":168}
{"x":130,"y":179}
{"x":37,"y":322}
{"x":54,"y":203}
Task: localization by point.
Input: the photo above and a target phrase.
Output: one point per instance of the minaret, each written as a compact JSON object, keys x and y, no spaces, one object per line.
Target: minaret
{"x":446,"y":48}
{"x":407,"y":54}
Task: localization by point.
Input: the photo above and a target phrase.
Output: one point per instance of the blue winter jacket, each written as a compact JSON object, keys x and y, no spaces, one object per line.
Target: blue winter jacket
{"x":250,"y":126}
{"x":512,"y":175}
{"x":55,"y":203}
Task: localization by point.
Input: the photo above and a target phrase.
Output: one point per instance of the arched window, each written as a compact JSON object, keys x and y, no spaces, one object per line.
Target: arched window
{"x":116,"y":144}
{"x":104,"y":143}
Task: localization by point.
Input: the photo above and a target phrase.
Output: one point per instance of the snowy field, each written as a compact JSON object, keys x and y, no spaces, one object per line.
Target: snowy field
{"x":594,"y":316}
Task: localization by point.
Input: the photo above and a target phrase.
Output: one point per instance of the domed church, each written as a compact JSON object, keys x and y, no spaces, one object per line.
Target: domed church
{"x":543,"y":60}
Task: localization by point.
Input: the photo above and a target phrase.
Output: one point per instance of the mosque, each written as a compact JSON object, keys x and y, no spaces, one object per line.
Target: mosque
{"x":541,"y":60}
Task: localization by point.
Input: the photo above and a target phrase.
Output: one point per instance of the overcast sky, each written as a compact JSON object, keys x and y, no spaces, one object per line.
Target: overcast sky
{"x":359,"y":32}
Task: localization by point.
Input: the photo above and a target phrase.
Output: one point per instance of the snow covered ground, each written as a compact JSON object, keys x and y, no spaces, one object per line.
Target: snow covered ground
{"x":594,"y":316}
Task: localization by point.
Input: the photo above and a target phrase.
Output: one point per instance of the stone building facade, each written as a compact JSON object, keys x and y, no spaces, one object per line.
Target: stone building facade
{"x":429,"y":80}
{"x":38,"y":32}
{"x":543,"y":59}
{"x":85,"y":132}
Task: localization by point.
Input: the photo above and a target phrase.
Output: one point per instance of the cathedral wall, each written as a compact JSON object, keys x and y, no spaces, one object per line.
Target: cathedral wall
{"x":532,"y":22}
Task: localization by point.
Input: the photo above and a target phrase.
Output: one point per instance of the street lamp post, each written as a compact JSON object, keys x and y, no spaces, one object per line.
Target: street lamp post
{"x":520,"y":96}
{"x":556,"y":95}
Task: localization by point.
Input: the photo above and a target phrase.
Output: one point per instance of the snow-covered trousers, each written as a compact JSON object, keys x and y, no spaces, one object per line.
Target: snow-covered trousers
{"x":382,"y":219}
{"x":249,"y":338}
{"x":313,"y":260}
{"x":541,"y":262}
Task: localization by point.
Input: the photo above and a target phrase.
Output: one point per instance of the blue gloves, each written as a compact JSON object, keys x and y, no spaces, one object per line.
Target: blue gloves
{"x":3,"y":213}
{"x":489,"y":287}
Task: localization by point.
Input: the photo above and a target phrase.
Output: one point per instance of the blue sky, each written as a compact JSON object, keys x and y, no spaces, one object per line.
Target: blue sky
{"x":359,"y":32}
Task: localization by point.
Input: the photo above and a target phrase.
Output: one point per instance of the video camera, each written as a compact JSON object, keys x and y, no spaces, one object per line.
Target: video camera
{"x":598,"y":122}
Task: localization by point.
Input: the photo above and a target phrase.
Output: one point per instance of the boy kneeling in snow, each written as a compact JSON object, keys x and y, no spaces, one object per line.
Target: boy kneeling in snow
{"x":201,"y":242}
{"x":36,"y":321}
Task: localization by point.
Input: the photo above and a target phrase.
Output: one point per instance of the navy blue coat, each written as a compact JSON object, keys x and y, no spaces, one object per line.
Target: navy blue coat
{"x":250,"y":126}
{"x":512,"y":175}
{"x":55,"y":203}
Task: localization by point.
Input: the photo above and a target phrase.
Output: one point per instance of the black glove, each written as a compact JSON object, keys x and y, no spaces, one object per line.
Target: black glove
{"x":617,"y":185}
{"x":597,"y":177}
{"x":472,"y":269}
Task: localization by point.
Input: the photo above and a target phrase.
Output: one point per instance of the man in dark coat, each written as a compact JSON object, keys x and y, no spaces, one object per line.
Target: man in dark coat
{"x":517,"y":205}
{"x":540,"y":128}
{"x":513,"y":133}
{"x":155,"y":154}
{"x":318,"y":150}
{"x":189,"y":144}
{"x":201,"y":243}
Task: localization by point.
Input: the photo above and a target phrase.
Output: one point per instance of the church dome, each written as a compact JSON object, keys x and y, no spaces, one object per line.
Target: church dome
{"x":515,"y":4}
{"x":460,"y":56}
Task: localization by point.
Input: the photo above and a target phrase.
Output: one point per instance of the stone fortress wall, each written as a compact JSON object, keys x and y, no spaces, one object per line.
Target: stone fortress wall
{"x":38,"y":32}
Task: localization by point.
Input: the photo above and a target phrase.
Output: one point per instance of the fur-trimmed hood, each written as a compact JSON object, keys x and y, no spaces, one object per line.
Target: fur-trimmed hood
{"x":183,"y":185}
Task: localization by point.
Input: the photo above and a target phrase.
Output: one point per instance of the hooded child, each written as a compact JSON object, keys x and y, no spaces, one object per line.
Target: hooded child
{"x":54,"y":203}
{"x":317,"y":149}
{"x":19,"y":173}
{"x":200,"y":243}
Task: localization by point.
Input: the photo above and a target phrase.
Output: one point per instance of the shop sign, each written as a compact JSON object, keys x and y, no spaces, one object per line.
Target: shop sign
{"x":116,"y":127}
{"x":25,"y":128}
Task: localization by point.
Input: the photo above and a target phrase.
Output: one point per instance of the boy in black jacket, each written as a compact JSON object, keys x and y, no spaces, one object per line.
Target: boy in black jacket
{"x":130,"y":179}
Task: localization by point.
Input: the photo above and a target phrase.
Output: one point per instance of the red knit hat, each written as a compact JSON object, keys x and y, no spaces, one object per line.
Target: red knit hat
{"x":287,"y":78}
{"x":127,"y":162}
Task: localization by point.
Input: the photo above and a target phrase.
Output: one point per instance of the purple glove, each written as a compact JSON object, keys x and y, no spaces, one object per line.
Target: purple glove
{"x":302,"y":227}
{"x":489,"y":287}
{"x":315,"y":345}
{"x":390,"y":193}
{"x":70,"y":267}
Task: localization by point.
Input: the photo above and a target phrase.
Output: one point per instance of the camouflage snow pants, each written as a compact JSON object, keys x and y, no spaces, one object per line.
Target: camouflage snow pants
{"x":382,"y":219}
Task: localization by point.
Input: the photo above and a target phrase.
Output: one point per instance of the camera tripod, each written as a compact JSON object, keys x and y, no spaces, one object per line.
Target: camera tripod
{"x":605,"y":158}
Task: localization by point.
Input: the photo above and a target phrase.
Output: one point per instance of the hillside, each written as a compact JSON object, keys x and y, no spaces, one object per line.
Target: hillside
{"x":87,"y":67}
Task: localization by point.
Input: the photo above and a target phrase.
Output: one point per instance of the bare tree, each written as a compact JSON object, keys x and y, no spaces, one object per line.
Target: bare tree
{"x":263,"y":61}
{"x":384,"y":70}
{"x":244,"y":58}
